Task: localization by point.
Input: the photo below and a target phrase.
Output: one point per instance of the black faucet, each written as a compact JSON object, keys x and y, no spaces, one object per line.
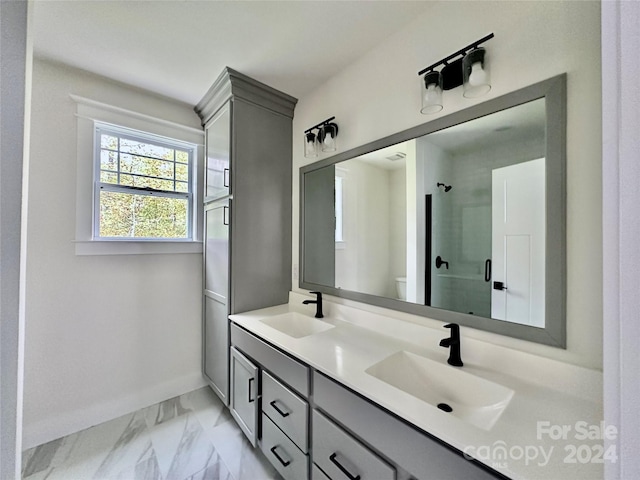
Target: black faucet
{"x":453,"y":344}
{"x":318,"y":302}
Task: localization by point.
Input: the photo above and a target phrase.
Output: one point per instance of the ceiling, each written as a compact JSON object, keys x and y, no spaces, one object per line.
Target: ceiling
{"x":522,"y":123}
{"x":178,"y":48}
{"x":382,"y":158}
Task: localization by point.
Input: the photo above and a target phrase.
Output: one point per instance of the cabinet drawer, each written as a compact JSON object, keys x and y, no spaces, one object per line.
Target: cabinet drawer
{"x":286,"y":409}
{"x":287,"y":459}
{"x":292,"y":372}
{"x":342,"y":457}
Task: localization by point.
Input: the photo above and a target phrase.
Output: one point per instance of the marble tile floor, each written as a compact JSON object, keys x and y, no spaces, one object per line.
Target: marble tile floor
{"x":191,"y":437}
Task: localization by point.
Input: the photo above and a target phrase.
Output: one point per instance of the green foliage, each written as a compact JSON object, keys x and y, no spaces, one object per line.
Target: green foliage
{"x":126,"y":215}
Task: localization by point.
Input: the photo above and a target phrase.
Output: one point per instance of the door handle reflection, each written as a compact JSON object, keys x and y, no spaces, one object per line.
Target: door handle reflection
{"x":487,"y":270}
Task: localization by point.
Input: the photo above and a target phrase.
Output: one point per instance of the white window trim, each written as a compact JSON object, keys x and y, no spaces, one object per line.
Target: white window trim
{"x":89,"y":112}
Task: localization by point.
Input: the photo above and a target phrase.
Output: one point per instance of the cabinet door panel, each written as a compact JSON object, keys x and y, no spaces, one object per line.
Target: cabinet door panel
{"x":244,"y":394}
{"x":216,"y":346}
{"x":216,"y":253}
{"x":218,"y":175}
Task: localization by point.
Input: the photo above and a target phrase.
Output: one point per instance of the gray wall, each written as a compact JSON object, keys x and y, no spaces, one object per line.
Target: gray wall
{"x":13,"y":60}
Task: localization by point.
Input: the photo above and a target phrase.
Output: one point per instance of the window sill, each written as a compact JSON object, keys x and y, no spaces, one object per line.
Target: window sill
{"x":124,"y":247}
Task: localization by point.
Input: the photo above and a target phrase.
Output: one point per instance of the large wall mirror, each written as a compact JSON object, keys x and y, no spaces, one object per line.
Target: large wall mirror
{"x":461,"y":219}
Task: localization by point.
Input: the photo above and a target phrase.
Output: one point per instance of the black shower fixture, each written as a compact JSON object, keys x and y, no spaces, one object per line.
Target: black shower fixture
{"x":446,"y":187}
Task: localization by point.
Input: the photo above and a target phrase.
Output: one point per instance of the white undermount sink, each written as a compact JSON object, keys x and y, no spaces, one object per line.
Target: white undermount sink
{"x":296,"y":325}
{"x":472,"y":399}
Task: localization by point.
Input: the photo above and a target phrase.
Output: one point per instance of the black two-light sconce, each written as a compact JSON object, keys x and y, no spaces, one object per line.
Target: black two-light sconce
{"x":324,"y":139}
{"x":468,"y":67}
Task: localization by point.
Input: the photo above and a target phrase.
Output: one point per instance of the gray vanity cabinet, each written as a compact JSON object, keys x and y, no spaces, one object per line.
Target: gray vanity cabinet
{"x":247,"y":205}
{"x":332,"y":433}
{"x":283,"y":414}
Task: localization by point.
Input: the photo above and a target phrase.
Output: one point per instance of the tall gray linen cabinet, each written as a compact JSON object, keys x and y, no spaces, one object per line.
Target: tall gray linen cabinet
{"x":247,"y":209}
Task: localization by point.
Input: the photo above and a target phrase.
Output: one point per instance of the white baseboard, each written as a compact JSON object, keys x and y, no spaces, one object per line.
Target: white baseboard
{"x":66,"y":423}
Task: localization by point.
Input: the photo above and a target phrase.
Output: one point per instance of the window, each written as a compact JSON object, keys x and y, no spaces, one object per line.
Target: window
{"x":143,"y":186}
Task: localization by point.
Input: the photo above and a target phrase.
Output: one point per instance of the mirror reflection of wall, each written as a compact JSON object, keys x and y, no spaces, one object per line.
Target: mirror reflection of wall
{"x":373,"y":205}
{"x":319,"y":226}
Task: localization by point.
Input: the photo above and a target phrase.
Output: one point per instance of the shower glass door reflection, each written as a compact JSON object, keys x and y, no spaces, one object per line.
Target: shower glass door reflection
{"x":459,"y":271}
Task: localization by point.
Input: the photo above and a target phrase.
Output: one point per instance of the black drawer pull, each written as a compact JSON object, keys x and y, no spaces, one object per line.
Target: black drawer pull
{"x":341,"y":467}
{"x":225,"y":215}
{"x":251,"y":380}
{"x":275,"y":407}
{"x":283,"y":462}
{"x":225,"y":177}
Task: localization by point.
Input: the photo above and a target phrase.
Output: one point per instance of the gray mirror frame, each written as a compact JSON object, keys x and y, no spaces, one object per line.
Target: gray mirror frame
{"x":554,"y":333}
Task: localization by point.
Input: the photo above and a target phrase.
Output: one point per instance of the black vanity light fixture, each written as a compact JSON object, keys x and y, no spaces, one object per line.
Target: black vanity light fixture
{"x":324,"y":139}
{"x":468,"y":67}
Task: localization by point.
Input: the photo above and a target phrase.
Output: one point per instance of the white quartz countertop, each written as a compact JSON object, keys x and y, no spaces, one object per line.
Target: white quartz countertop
{"x":550,"y":396}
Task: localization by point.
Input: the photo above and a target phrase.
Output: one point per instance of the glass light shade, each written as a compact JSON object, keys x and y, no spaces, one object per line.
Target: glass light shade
{"x":431,"y":93}
{"x":327,"y":137}
{"x":475,"y":74}
{"x":310,"y":147}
